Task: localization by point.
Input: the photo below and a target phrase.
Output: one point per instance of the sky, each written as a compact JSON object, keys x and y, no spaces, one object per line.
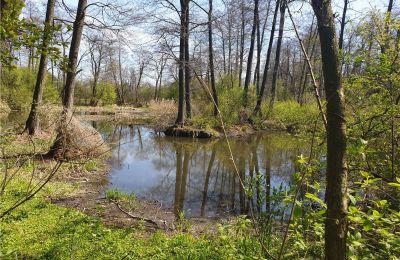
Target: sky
{"x":139,"y":36}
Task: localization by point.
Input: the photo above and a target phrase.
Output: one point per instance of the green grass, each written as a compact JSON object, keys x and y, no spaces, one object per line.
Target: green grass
{"x":115,"y":194}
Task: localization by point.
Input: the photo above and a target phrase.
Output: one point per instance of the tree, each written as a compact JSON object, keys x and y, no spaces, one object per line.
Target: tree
{"x":187,"y":59}
{"x":68,"y":93}
{"x":32,"y":123}
{"x":181,"y":64}
{"x":211,"y":58}
{"x":251,"y":51}
{"x":278,"y":54}
{"x":343,"y":24}
{"x":260,"y":95}
{"x":336,"y":187}
{"x":97,"y":55}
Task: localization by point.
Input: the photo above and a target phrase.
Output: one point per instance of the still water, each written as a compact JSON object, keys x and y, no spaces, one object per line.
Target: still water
{"x":197,"y":176}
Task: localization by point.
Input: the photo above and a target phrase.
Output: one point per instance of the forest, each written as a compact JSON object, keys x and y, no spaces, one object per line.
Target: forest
{"x":199,"y":129}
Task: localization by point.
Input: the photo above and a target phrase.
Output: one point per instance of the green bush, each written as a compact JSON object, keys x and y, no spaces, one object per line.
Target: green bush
{"x":17,"y":85}
{"x":292,"y":114}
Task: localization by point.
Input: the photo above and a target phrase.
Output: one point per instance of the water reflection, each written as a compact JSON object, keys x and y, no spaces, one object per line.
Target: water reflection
{"x":197,"y":177}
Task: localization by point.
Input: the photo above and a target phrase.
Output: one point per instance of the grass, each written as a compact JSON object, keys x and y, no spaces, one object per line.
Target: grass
{"x":118,"y":195}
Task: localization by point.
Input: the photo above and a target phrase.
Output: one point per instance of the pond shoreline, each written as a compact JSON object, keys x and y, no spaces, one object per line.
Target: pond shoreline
{"x":163,"y":120}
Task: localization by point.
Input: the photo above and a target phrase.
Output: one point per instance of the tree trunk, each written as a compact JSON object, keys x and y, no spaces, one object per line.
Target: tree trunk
{"x":260,"y":40}
{"x":343,"y":24}
{"x":187,"y":64}
{"x":181,"y":85}
{"x":277,"y":55}
{"x":68,"y":97}
{"x":336,"y":188}
{"x":141,"y":69}
{"x":260,"y":95}
{"x":241,"y":54}
{"x":32,"y":123}
{"x":211,"y":59}
{"x":250,"y":56}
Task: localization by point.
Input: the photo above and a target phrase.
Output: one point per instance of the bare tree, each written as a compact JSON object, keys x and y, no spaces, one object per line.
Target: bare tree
{"x":251,"y":51}
{"x":188,"y":103}
{"x":211,"y":58}
{"x":278,"y":54}
{"x":260,"y":95}
{"x":97,"y":55}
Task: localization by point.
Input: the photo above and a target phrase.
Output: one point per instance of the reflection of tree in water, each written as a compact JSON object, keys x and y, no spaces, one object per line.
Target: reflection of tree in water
{"x":198,"y":177}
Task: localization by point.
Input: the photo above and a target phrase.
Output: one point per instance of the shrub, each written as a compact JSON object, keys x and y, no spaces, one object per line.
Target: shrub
{"x":292,"y":114}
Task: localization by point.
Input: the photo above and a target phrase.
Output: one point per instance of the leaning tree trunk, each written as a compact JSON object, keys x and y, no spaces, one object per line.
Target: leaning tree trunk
{"x":260,"y":95}
{"x":32,"y":123}
{"x":278,"y":55}
{"x":68,"y":98}
{"x":250,"y":56}
{"x":211,"y":59}
{"x":336,"y":186}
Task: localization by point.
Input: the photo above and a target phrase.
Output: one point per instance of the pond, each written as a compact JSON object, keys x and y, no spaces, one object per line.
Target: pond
{"x":197,"y":176}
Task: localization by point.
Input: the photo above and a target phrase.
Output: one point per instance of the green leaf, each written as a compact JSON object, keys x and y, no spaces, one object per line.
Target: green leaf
{"x":352,"y":199}
{"x":316,"y":199}
{"x":364,"y":174}
{"x":393,"y":184}
{"x":367,"y":225}
{"x":297,"y":212}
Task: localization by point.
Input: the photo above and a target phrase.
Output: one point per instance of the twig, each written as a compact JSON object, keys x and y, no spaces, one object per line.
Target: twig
{"x":133,"y":216}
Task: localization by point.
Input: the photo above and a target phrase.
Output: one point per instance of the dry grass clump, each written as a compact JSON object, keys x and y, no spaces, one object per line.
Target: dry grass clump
{"x":164,"y":111}
{"x":77,"y":141}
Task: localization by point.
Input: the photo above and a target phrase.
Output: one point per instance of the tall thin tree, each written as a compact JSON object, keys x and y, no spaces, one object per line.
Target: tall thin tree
{"x":187,"y":62}
{"x":260,"y":95}
{"x":278,"y":54}
{"x":32,"y":123}
{"x":336,"y":186}
{"x":250,"y":56}
{"x":181,"y":66}
{"x":211,"y":57}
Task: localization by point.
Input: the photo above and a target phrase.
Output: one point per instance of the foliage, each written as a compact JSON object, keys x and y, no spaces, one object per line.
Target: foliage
{"x":17,"y":86}
{"x":11,"y":27}
{"x":118,"y":195}
{"x":293,"y":115}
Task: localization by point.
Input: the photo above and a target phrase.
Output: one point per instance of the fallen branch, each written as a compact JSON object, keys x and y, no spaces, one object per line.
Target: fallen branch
{"x":135,"y":217}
